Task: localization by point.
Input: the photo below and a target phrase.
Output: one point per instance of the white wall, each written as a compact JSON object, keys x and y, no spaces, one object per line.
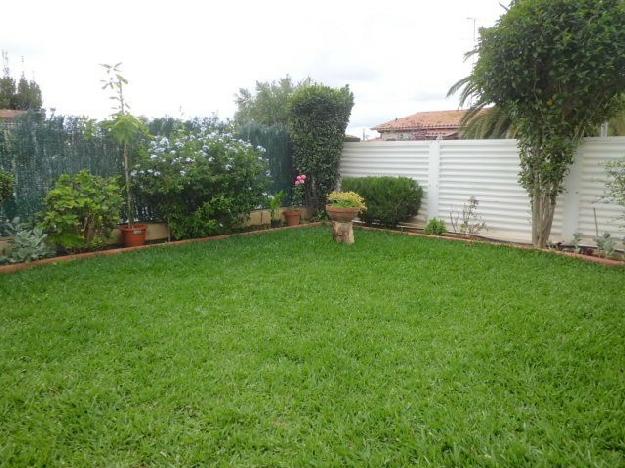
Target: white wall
{"x":450,"y":171}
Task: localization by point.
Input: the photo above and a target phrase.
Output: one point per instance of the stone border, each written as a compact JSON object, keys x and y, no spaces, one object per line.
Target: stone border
{"x":7,"y":269}
{"x":12,"y":268}
{"x":598,"y":260}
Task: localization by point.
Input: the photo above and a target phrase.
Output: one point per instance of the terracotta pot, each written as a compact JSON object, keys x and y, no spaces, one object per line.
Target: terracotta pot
{"x":342,"y":215}
{"x":133,"y":237}
{"x":292,"y":217}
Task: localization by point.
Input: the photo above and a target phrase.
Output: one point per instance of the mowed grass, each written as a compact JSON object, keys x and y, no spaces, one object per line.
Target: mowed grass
{"x":288,"y":349}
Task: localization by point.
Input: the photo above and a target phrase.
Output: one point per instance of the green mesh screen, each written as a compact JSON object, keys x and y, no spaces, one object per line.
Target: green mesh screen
{"x":38,"y":150}
{"x":275,"y":139}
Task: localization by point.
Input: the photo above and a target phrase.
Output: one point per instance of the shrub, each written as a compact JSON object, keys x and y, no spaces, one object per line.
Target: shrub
{"x":6,"y":185}
{"x":389,"y":200}
{"x":347,"y":200}
{"x":435,"y":227}
{"x":318,"y":117}
{"x":81,"y":210}
{"x":201,"y":182}
{"x":27,"y":243}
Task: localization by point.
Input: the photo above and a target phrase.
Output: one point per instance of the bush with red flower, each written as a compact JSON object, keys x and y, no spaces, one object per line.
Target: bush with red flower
{"x":298,"y":192}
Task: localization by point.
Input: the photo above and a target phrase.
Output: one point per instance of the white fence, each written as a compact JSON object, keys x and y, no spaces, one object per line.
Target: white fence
{"x":452,"y":171}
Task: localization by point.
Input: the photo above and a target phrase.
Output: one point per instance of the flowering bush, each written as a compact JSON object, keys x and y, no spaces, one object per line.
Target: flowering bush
{"x":201,"y":182}
{"x":297,"y":192}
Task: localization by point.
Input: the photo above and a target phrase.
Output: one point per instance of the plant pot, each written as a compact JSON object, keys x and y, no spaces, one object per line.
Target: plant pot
{"x":292,"y":217}
{"x":133,"y":237}
{"x":342,"y":215}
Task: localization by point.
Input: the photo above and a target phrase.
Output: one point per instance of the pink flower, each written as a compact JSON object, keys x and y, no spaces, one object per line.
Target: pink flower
{"x":303,"y":177}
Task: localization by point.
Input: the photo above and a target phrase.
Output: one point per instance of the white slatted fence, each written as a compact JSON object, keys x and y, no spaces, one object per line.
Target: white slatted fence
{"x":452,"y":171}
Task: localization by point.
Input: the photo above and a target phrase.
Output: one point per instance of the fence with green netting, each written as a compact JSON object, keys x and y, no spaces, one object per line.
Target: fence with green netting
{"x":37,"y":150}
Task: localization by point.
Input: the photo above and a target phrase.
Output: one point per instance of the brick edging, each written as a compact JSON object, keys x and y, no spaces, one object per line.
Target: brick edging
{"x":587,"y":258}
{"x":12,"y":268}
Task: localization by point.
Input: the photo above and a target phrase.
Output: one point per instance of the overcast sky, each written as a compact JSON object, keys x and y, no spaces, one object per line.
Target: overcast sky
{"x":189,"y":58}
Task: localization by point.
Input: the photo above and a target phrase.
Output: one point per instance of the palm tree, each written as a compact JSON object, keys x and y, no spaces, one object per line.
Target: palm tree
{"x":483,"y":121}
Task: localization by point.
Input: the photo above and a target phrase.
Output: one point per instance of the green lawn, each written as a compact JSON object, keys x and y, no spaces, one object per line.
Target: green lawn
{"x":288,"y":349}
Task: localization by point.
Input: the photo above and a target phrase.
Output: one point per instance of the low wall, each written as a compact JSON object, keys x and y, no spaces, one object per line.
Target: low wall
{"x":160,"y":231}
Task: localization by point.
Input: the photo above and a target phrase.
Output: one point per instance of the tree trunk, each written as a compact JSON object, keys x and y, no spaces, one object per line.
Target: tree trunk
{"x":543,"y":209}
{"x":130,"y":213}
{"x":343,"y":232}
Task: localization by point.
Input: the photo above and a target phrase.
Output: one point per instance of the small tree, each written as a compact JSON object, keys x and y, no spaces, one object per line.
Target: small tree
{"x":124,"y":127}
{"x":318,"y":116}
{"x":557,"y":69}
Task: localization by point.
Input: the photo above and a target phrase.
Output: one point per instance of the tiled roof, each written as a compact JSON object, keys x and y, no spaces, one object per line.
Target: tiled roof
{"x":422,"y":120}
{"x":8,"y":114}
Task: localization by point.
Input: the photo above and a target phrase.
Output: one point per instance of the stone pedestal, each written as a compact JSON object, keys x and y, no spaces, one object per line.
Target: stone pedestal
{"x":343,"y":232}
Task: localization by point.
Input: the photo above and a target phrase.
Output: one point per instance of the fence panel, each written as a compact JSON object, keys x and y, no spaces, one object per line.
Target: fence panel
{"x":452,"y":171}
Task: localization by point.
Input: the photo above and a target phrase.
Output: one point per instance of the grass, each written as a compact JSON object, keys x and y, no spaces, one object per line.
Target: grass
{"x":288,"y":349}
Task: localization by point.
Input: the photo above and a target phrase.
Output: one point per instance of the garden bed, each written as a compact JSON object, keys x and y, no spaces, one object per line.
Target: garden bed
{"x":287,"y":349}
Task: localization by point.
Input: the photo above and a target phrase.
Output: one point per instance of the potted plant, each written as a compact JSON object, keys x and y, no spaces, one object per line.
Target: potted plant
{"x":125,"y":129}
{"x":275,"y":203}
{"x":343,"y":207}
{"x":293,"y":214}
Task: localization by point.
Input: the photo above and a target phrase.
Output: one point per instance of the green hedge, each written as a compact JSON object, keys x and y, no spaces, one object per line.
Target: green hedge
{"x":318,"y":117}
{"x":389,"y":200}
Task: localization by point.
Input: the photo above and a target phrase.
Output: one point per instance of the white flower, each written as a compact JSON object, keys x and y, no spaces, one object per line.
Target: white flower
{"x":157,"y":173}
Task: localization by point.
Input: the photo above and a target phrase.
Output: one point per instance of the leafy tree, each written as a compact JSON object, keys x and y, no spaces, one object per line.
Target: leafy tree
{"x":28,"y":95}
{"x":269,"y":105}
{"x":318,"y":116}
{"x":25,"y":96}
{"x":7,"y":92}
{"x":557,"y":70}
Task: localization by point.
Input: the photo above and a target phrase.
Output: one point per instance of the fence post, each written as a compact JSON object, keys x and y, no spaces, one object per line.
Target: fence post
{"x":572,"y":197}
{"x":434,"y":161}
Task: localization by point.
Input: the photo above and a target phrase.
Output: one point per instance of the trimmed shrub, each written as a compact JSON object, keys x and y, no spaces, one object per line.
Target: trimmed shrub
{"x":389,"y":200}
{"x":435,"y":227}
{"x":318,"y":117}
{"x":82,"y":209}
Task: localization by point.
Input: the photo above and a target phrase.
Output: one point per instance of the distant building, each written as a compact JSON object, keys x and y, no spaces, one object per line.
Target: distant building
{"x":10,"y":114}
{"x":437,"y":125}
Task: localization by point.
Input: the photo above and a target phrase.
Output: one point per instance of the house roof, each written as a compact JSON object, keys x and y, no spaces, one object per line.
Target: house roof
{"x":423,"y":120}
{"x":9,"y":114}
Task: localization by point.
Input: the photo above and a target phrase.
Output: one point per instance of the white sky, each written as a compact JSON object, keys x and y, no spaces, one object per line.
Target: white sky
{"x":398,"y":57}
